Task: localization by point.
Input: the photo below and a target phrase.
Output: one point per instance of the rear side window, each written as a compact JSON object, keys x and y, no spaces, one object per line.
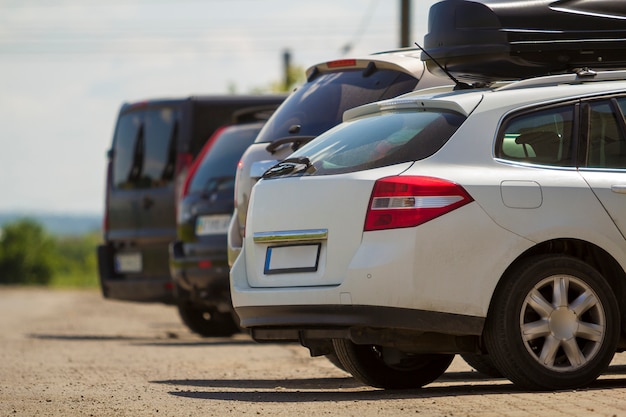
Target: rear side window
{"x":217,"y":169}
{"x":320,"y":103}
{"x":144,"y":148}
{"x":539,"y":137}
{"x":381,"y":140}
{"x":606,"y":142}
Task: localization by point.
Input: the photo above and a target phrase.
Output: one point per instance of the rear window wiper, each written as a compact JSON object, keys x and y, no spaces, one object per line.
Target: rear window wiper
{"x":296,"y":142}
{"x":288,"y":166}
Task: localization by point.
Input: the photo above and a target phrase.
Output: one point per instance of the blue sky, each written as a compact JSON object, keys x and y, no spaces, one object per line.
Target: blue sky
{"x":66,"y":66}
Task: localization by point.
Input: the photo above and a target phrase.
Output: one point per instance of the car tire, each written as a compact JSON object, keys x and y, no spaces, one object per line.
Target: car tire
{"x":207,"y":323}
{"x":334,"y":359}
{"x":367,"y":364}
{"x":482,"y":364}
{"x":553,"y":324}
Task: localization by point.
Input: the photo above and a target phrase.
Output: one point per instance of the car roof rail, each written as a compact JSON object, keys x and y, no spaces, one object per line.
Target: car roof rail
{"x":578,"y":76}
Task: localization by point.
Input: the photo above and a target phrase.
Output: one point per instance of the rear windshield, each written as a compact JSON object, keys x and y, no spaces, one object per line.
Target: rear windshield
{"x":319,"y":104}
{"x":377,"y":141}
{"x":217,"y":170}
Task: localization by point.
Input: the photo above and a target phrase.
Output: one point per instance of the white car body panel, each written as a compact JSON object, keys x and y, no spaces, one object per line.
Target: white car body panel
{"x":342,"y":209}
{"x":451,"y":264}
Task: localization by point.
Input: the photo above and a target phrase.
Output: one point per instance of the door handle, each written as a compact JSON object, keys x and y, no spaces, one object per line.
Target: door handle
{"x":618,"y":188}
{"x":147,"y":203}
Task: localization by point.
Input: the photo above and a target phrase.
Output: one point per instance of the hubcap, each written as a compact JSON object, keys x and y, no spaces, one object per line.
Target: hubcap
{"x":562,"y":323}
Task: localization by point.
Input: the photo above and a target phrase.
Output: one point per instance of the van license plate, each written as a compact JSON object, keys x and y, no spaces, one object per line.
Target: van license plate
{"x":292,"y":258}
{"x":128,"y":262}
{"x":212,"y":225}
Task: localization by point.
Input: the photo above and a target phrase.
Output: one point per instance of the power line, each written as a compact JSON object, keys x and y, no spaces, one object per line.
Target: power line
{"x":365,"y":20}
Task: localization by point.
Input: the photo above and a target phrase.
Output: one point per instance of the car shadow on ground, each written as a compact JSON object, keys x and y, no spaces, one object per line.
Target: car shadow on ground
{"x":457,"y":384}
{"x":165,"y":339}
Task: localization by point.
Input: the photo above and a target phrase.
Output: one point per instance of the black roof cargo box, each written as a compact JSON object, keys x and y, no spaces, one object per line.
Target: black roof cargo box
{"x":513,"y":39}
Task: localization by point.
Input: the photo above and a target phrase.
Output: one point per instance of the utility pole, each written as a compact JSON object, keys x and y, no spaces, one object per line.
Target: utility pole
{"x":287,"y":68}
{"x":405,"y":23}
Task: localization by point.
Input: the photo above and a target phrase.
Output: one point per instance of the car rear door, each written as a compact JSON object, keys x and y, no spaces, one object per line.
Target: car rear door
{"x":605,"y":155}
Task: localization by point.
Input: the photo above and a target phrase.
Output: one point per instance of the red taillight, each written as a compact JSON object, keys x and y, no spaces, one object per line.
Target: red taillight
{"x":183,"y":165}
{"x":237,"y":174}
{"x":341,"y":63}
{"x":107,"y":191}
{"x":205,"y":264}
{"x":410,"y":201}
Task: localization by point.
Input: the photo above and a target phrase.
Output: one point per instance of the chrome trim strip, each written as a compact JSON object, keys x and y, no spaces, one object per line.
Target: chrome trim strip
{"x":290,"y":236}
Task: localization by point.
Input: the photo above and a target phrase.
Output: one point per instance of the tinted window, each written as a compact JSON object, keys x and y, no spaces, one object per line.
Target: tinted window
{"x":160,"y":147}
{"x":124,"y":149}
{"x":217,"y":169}
{"x":144,"y":149}
{"x":606,"y":146}
{"x":539,"y":137}
{"x":381,"y":140}
{"x":319,"y":104}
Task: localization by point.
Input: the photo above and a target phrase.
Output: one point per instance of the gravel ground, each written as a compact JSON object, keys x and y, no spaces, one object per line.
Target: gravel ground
{"x":72,"y":353}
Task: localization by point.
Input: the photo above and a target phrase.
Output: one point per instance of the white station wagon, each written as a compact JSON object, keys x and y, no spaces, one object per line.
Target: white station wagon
{"x":486,"y":222}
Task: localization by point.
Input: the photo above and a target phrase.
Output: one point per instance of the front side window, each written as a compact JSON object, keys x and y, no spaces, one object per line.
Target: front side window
{"x":320,"y":103}
{"x":384,"y":139}
{"x":539,"y":137}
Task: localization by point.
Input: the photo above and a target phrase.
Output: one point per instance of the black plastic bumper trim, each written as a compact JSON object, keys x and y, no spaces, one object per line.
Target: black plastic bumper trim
{"x":301,"y":317}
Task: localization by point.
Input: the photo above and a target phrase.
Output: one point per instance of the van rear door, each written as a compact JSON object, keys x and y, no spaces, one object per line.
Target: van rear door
{"x":141,"y":212}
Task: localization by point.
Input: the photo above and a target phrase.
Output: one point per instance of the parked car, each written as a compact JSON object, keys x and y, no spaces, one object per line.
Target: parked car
{"x":154,"y":143}
{"x":483,"y":221}
{"x":330,"y":89}
{"x":198,"y":258}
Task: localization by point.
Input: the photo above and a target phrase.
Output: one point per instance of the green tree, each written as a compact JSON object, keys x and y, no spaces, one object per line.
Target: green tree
{"x":28,"y":255}
{"x":296,"y":77}
{"x":77,"y":263}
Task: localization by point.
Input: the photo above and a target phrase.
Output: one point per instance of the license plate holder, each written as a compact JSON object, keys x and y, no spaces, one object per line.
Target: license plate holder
{"x":285,"y":259}
{"x":128,"y":262}
{"x":212,"y":225}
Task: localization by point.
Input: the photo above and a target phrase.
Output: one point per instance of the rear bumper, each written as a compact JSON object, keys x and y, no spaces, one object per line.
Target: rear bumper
{"x":130,"y":287}
{"x":205,"y":276}
{"x":408,"y":330}
{"x":355,"y":316}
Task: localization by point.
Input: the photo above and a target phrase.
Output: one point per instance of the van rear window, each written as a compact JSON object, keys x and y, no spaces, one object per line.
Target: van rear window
{"x":144,"y":148}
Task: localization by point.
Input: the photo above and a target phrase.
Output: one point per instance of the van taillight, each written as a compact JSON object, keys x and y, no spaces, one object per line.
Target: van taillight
{"x":410,"y":201}
{"x":107,"y":192}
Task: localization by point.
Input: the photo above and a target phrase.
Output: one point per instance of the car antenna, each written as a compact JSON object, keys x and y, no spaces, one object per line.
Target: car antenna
{"x":459,"y":84}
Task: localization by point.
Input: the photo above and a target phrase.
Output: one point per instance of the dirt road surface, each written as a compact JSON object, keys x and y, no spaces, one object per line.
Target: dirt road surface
{"x":72,"y":353}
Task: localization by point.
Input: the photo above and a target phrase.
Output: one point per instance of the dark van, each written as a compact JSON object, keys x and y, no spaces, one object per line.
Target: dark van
{"x":154,"y":144}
